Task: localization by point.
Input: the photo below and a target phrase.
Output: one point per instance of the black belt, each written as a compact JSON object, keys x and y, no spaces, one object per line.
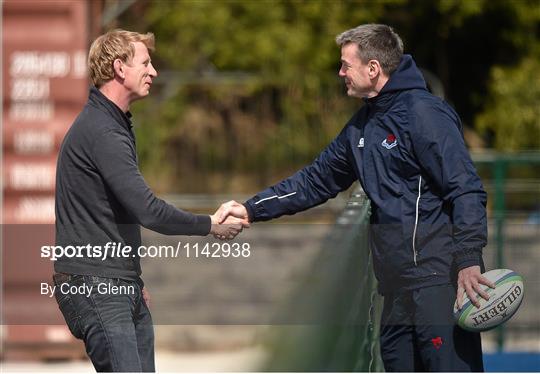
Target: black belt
{"x":59,"y":278}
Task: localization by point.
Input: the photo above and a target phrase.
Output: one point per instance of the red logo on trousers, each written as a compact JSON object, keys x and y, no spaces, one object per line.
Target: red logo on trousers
{"x":437,"y":342}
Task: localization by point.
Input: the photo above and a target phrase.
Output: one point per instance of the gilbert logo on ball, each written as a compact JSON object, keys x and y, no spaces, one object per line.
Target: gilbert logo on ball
{"x":503,"y":302}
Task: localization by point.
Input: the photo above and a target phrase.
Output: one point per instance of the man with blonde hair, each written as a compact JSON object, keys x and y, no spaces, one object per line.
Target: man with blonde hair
{"x":101,"y":201}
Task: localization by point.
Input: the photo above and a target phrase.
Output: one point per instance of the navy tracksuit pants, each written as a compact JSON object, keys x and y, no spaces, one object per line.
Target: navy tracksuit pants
{"x":418,"y":333}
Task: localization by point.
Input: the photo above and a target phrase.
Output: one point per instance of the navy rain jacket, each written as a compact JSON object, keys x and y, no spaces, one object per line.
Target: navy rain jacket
{"x":428,"y":206}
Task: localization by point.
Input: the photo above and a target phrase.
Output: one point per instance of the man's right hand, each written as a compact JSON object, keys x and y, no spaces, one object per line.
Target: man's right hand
{"x":231,"y":213}
{"x":227,"y":229}
{"x":233,"y":209}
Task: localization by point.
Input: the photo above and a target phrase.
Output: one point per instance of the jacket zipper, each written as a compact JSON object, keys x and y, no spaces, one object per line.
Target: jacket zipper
{"x":415,"y":253}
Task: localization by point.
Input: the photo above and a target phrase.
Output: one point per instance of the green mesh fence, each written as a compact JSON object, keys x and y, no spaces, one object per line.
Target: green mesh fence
{"x":337,"y":303}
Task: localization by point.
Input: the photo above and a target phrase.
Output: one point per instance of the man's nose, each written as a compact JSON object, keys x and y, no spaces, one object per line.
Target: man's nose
{"x":153,"y":72}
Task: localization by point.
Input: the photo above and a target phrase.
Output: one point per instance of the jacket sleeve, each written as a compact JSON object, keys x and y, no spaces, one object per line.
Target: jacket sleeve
{"x":115,"y":159}
{"x":329,"y":174}
{"x":443,"y":156}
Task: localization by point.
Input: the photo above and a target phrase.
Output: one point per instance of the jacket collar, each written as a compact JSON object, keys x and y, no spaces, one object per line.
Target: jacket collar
{"x":100,"y":101}
{"x":406,"y":77}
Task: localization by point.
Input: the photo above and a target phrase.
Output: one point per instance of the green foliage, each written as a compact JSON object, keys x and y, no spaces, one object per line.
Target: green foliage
{"x":511,"y":109}
{"x":512,"y":113}
{"x":250,"y":88}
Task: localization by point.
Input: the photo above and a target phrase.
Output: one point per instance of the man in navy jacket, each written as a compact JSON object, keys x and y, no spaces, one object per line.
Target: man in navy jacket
{"x":428,"y":222}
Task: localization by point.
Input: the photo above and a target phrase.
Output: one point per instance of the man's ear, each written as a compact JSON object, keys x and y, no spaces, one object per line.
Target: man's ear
{"x":374,"y":69}
{"x":119,"y":68}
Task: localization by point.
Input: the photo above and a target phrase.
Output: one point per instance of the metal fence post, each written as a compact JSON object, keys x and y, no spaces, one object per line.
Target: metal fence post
{"x":499,"y":166}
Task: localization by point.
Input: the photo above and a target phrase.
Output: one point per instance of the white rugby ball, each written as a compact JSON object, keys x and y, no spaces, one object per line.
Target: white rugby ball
{"x":503,"y":302}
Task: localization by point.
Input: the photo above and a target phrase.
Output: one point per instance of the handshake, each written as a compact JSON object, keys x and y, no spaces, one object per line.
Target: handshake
{"x":229,"y":220}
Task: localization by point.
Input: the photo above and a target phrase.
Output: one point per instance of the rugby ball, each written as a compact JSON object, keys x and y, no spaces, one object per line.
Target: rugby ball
{"x":503,"y":302}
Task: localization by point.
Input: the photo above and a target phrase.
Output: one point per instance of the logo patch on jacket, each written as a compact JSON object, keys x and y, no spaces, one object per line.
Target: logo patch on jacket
{"x":390,"y":141}
{"x":437,"y":342}
{"x":361,"y":143}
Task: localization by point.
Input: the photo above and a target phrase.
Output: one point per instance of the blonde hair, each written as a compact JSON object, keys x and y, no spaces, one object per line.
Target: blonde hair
{"x":110,"y":46}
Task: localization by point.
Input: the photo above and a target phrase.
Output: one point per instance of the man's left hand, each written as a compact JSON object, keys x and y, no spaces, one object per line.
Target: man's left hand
{"x":146,"y":296}
{"x":470,"y":280}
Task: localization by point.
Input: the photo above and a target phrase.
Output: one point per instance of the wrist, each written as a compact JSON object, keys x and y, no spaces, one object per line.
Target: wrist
{"x":468,"y":257}
{"x":249,"y":211}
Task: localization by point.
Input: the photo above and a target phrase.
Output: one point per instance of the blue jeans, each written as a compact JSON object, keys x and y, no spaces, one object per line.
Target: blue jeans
{"x":112,"y":319}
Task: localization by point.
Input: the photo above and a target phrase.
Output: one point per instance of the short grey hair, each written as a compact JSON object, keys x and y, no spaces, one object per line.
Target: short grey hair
{"x":375,"y":42}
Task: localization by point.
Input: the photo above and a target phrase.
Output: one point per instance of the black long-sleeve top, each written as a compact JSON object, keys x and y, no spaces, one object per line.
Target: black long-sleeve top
{"x":101,"y":196}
